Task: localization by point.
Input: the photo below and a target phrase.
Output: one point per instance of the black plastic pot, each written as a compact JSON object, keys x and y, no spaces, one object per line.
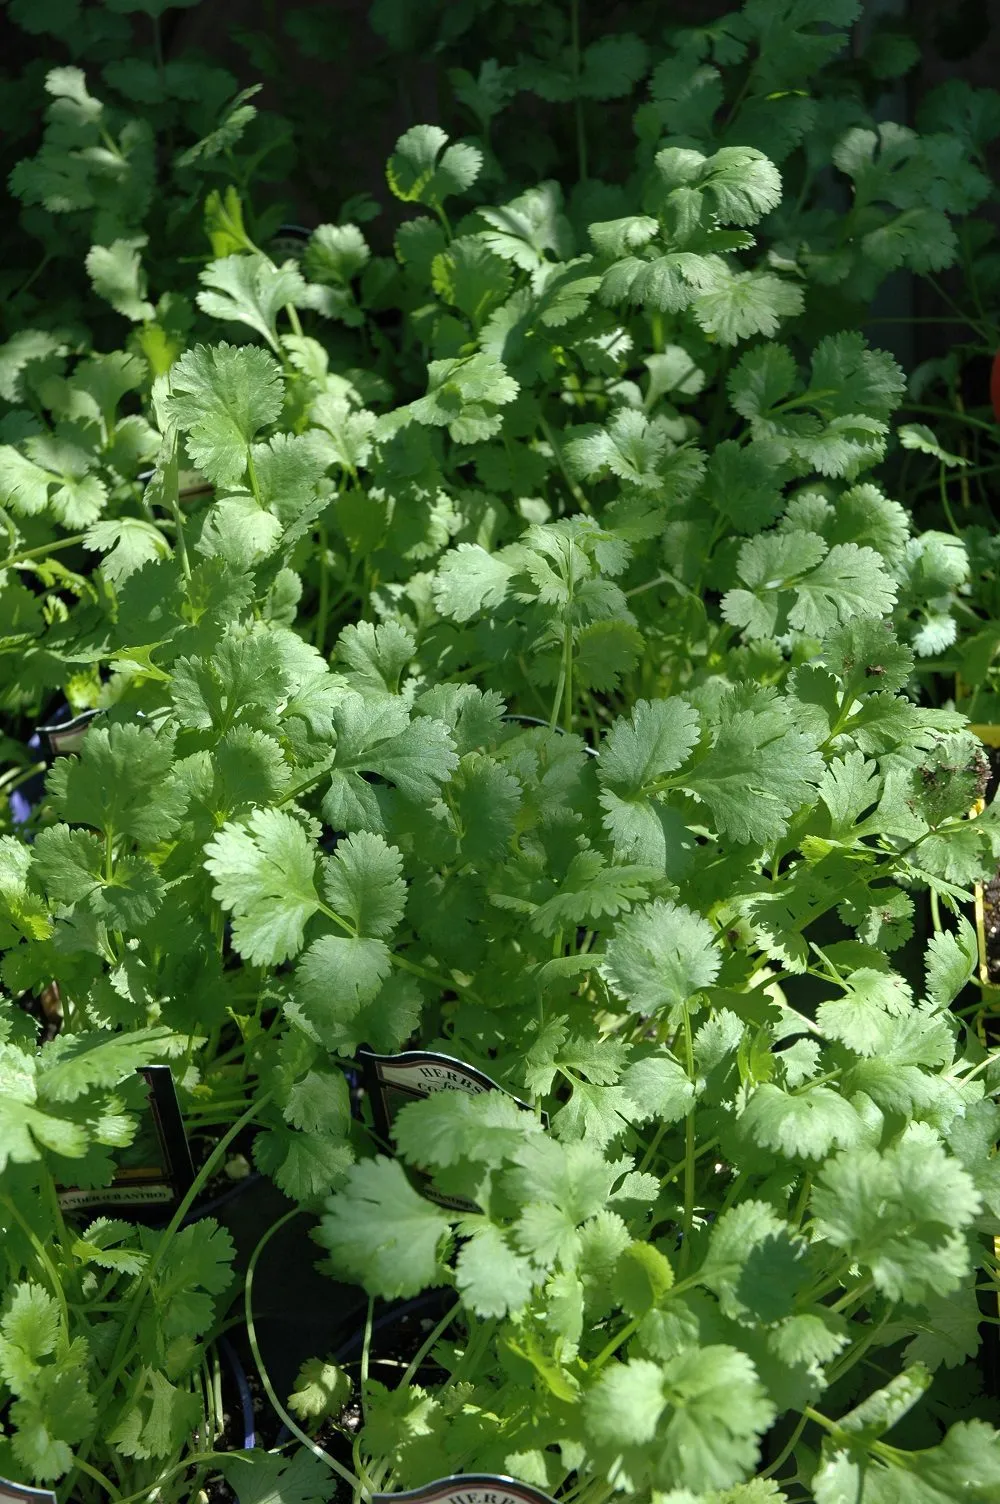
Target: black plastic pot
{"x":289,"y":242}
{"x":298,"y":1312}
{"x":430,"y":1304}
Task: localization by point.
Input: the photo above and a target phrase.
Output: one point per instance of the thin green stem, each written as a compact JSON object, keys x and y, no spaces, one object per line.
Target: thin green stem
{"x":963,"y":317}
{"x":252,"y":478}
{"x":429,"y":1343}
{"x":741,"y":95}
{"x":170,"y":493}
{"x":736,"y":1186}
{"x":42,"y":551}
{"x":366,"y":1350}
{"x":305,"y":786}
{"x":946,"y":503}
{"x":13,"y":779}
{"x":610,"y":1348}
{"x":554,"y":445}
{"x":661,"y":579}
{"x":52,"y":1194}
{"x":856,"y":1351}
{"x":970,"y":474}
{"x":403,"y":962}
{"x":689,"y":1152}
{"x":349,"y":1478}
{"x":993,"y":429}
{"x":568,"y":676}
{"x":203,"y":1176}
{"x":650,"y":1154}
{"x":323,"y":612}
{"x":788,"y":1448}
{"x":415,"y":970}
{"x":820,"y":1420}
{"x":41,"y":1253}
{"x":98,"y":1477}
{"x":33,"y":277}
{"x":858,"y":1293}
{"x":197,"y":1459}
{"x":558,"y":696}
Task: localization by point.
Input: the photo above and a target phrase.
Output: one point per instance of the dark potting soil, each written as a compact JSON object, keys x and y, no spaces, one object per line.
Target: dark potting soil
{"x":399,"y":1330}
{"x":236,"y":1167}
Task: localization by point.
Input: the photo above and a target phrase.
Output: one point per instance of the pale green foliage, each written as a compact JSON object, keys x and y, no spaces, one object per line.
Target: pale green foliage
{"x":507,"y":648}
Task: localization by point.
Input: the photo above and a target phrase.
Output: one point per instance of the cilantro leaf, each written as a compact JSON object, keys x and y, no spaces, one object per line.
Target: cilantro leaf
{"x":261,"y":1477}
{"x":952,"y":959}
{"x":250,"y":290}
{"x":193,"y":1266}
{"x":529,"y":228}
{"x":22,"y":913}
{"x":379,"y":736}
{"x":381,"y":1232}
{"x":694,"y":1421}
{"x":759,"y":769}
{"x":660,"y":955}
{"x":630,"y":447}
{"x":78,"y":1062}
{"x":464,"y":395}
{"x":493,"y":1279}
{"x":470,"y":579}
{"x":25,"y":1129}
{"x":806,"y":1124}
{"x":127,"y":543}
{"x":122,"y":783}
{"x":423,"y":169}
{"x":336,"y":977}
{"x":363,"y":882}
{"x":754,"y":1263}
{"x":740,"y":304}
{"x":221,"y":397}
{"x":470,"y":278}
{"x":336,"y":253}
{"x":264,"y":873}
{"x":900,"y":1213}
{"x":117,"y":276}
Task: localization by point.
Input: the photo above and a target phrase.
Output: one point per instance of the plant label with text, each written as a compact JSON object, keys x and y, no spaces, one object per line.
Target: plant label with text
{"x":472,"y":1488}
{"x":394,"y":1080}
{"x":157,"y":1168}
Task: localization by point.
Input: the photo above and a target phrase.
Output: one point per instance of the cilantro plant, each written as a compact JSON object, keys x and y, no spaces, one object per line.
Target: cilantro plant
{"x":103,"y":1353}
{"x":507,"y":641}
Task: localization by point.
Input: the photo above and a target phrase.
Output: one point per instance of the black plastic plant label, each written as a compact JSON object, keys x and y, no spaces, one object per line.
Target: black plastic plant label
{"x":61,"y":738}
{"x":156,"y":1169}
{"x":392,"y":1081}
{"x":20,"y":1493}
{"x":469,"y":1488}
